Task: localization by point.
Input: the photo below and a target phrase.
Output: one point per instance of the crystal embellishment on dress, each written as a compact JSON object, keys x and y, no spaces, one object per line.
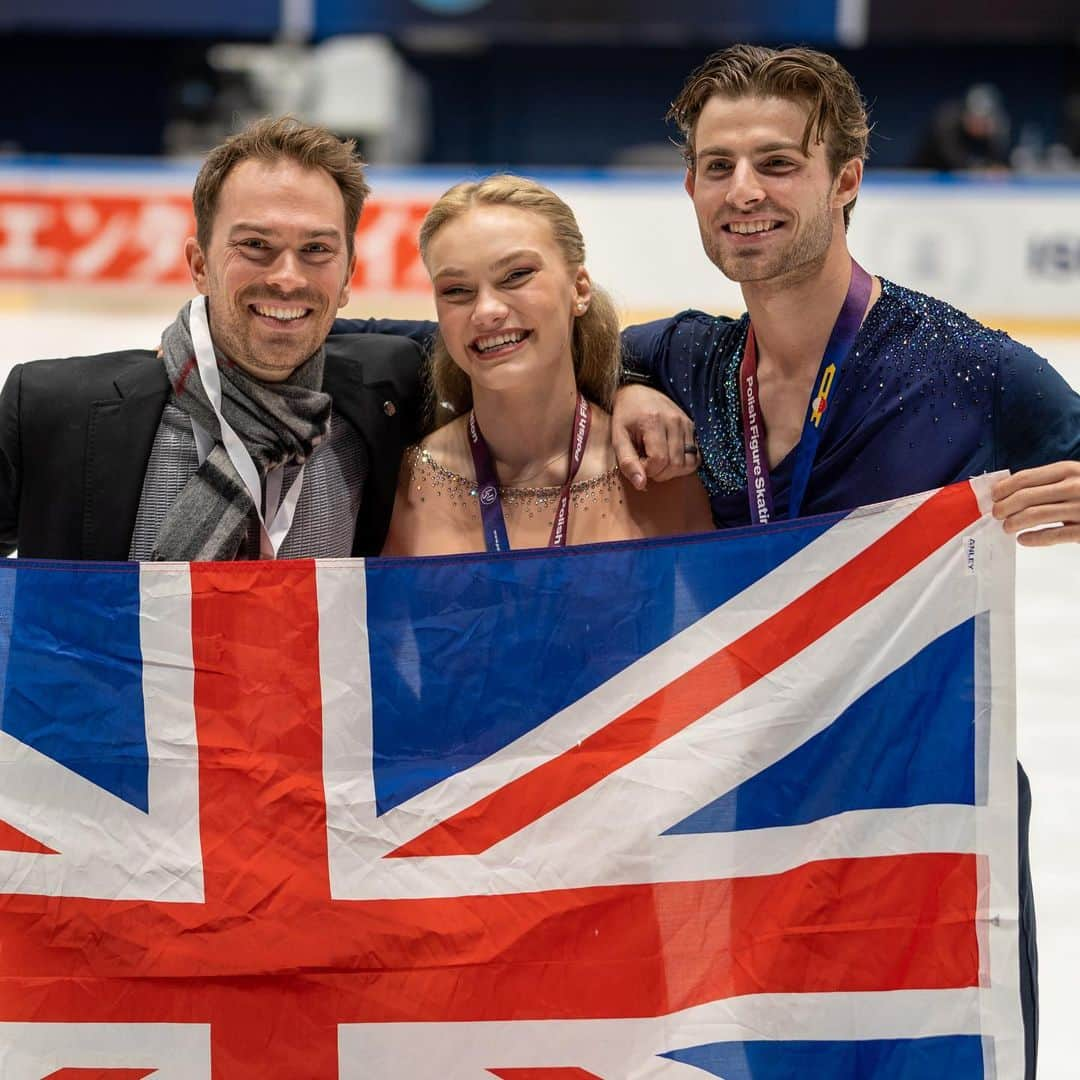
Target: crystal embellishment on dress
{"x":528,"y":501}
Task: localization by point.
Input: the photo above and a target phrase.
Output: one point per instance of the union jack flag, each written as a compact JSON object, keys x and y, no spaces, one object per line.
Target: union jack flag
{"x":739,"y":805}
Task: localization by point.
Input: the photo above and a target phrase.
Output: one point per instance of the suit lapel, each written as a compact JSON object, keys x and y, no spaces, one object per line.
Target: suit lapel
{"x":373,"y":408}
{"x":119,"y":438}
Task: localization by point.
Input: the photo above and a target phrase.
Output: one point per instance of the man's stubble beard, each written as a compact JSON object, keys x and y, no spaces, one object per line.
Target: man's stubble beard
{"x":801,"y":259}
{"x":237,"y":342}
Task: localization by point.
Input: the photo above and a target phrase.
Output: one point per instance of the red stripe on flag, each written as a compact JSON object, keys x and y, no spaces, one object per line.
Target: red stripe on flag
{"x":706,"y":686}
{"x":544,"y":1074}
{"x":12,"y":839}
{"x":839,"y":925}
{"x":258,"y":708}
{"x":100,"y":1074}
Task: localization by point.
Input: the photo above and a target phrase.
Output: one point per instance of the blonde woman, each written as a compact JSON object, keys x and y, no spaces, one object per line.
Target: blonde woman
{"x":524,"y":368}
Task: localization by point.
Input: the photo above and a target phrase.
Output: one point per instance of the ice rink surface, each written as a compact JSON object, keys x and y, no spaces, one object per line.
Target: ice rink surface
{"x":1048,"y":647}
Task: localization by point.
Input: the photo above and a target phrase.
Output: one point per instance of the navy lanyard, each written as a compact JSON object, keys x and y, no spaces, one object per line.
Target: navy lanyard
{"x":758,"y":481}
{"x":487,"y":483}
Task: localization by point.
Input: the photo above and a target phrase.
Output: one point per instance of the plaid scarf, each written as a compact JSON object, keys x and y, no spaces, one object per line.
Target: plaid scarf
{"x":277,"y":422}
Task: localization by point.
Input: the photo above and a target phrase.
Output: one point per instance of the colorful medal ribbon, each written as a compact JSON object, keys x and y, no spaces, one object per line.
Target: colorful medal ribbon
{"x":758,"y":480}
{"x":487,"y":483}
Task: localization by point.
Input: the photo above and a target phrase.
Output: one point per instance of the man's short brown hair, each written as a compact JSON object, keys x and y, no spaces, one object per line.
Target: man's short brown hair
{"x":837,"y":113}
{"x":274,"y":139}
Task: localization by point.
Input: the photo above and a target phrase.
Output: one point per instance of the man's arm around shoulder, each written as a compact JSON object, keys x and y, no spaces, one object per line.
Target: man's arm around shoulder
{"x":419,"y":330}
{"x":651,"y":434}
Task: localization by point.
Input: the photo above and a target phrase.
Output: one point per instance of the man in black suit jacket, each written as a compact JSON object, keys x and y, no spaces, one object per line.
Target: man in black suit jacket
{"x":245,"y":435}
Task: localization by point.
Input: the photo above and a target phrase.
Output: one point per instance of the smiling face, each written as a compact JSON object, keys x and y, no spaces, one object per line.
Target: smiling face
{"x":766,"y":210}
{"x":506,"y":300}
{"x":277,"y":267}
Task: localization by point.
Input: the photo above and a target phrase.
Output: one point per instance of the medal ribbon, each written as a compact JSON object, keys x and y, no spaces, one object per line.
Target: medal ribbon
{"x":487,"y":482}
{"x":275,"y":523}
{"x":758,"y":480}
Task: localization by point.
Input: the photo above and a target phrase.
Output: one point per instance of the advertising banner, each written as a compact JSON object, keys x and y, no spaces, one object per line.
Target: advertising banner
{"x":1006,"y":252}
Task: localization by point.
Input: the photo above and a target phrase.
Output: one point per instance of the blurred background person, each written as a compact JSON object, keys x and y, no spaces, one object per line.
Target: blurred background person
{"x":970,"y":133}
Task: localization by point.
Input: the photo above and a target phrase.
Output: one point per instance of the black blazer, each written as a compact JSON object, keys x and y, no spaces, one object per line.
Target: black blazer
{"x":76,"y":436}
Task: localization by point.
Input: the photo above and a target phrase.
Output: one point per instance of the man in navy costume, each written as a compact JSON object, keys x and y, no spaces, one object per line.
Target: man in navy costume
{"x":853,"y":389}
{"x":923,"y":396}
